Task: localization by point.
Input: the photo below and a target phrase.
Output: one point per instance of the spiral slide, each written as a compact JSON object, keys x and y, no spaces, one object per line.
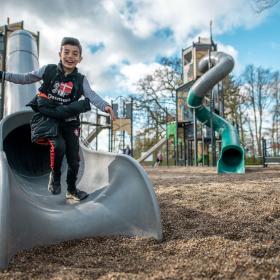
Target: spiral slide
{"x":121,"y":201}
{"x":232,"y":154}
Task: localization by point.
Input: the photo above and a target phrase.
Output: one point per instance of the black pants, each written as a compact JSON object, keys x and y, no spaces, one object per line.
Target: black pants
{"x":66,"y":143}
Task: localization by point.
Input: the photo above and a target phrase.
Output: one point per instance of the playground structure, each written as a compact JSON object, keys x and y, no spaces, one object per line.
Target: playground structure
{"x":189,"y":142}
{"x":194,"y":141}
{"x":91,"y":129}
{"x":119,"y":131}
{"x":199,"y":142}
{"x":118,"y":204}
{"x":122,"y":128}
{"x":232,"y":154}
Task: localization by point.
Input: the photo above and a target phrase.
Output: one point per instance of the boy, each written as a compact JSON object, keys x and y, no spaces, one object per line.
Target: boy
{"x":63,"y":85}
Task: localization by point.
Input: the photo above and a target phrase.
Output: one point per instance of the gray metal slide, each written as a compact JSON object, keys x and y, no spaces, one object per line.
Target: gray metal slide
{"x":121,"y":201}
{"x":152,"y":149}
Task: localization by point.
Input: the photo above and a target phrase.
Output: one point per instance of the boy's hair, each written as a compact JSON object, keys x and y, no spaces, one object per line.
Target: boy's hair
{"x":71,"y":41}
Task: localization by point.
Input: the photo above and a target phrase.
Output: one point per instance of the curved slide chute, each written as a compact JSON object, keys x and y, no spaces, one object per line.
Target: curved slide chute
{"x":232,"y":154}
{"x":121,"y":197}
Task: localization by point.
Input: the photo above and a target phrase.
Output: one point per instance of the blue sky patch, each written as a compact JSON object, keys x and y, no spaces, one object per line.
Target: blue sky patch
{"x":94,"y":48}
{"x":259,"y":45}
{"x":164,"y":33}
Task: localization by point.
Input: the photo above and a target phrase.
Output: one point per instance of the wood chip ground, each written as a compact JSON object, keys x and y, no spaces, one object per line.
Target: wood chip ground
{"x":214,"y":227}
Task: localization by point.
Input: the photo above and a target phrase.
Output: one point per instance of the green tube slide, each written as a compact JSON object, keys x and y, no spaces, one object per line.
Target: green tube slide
{"x":232,"y":154}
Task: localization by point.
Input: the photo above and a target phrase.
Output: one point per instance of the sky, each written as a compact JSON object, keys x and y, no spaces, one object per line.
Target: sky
{"x":123,"y":39}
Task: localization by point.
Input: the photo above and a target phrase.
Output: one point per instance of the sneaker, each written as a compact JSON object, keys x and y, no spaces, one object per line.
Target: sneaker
{"x":53,"y":186}
{"x":77,"y":195}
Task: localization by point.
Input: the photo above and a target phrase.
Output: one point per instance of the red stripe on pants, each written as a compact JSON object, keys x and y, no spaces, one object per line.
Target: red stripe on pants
{"x":52,"y":153}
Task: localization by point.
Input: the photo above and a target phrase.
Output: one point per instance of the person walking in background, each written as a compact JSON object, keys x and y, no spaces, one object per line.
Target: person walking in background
{"x":127,"y":151}
{"x":159,"y":159}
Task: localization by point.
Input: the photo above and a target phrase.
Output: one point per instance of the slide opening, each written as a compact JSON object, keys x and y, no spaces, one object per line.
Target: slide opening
{"x":231,"y":158}
{"x":24,"y":157}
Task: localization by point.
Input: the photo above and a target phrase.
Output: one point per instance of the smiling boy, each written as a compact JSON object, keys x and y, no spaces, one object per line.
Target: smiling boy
{"x":63,"y":85}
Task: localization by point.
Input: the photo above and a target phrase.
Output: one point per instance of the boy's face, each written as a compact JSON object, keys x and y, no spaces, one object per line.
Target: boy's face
{"x":70,"y":56}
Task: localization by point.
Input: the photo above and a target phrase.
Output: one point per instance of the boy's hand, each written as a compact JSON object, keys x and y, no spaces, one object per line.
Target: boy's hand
{"x":109,"y":110}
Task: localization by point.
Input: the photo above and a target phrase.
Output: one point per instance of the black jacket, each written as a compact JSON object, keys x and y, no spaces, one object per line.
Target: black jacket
{"x":48,"y":115}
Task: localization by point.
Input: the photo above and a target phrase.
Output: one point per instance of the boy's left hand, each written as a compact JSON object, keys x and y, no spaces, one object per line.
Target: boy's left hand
{"x":109,"y":110}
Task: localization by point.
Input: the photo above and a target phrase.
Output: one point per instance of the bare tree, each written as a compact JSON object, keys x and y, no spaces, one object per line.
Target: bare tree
{"x":251,"y":143}
{"x":157,"y":94}
{"x":276,"y":112}
{"x":154,"y":104}
{"x":234,"y":102}
{"x":257,"y":86}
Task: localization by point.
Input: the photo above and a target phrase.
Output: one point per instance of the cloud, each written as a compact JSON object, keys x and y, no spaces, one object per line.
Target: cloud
{"x":182,"y":17}
{"x":132,"y":73}
{"x":130,"y":34}
{"x":238,"y":68}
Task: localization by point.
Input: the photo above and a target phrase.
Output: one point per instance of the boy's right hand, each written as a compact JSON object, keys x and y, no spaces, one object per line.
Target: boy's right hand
{"x":109,"y":110}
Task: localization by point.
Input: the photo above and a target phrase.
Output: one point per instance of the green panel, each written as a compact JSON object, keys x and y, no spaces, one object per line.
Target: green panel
{"x":172,"y":130}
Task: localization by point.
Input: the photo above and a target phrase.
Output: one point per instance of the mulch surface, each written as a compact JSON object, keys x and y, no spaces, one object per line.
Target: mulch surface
{"x":214,"y":227}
